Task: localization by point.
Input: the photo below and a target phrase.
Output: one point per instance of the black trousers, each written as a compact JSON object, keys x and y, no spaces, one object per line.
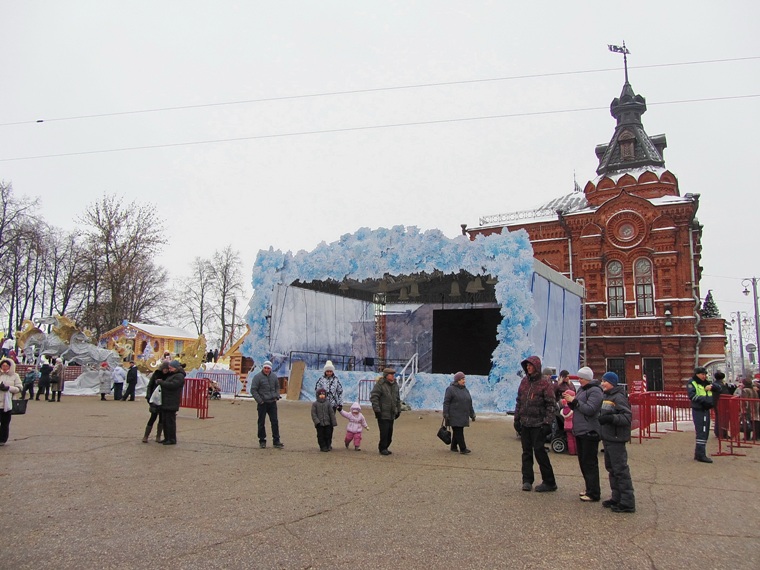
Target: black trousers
{"x":385,"y":427}
{"x":270,"y":409}
{"x":533,"y":439}
{"x":588,"y":460}
{"x":130,"y":393}
{"x":5,"y":426}
{"x":457,"y":438}
{"x":324,"y":436}
{"x":169,"y":420}
{"x":43,"y":386}
{"x":27,"y":387}
{"x":616,"y":463}
{"x":117,"y":389}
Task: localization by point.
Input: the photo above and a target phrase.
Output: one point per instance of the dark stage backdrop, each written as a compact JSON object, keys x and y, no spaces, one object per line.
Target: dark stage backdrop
{"x":464,"y":339}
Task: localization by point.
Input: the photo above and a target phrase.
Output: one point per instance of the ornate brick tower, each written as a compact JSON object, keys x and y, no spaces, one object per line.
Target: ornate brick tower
{"x":635,"y":243}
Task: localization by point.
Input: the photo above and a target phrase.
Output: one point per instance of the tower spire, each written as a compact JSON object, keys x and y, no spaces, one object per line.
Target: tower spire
{"x":624,"y":50}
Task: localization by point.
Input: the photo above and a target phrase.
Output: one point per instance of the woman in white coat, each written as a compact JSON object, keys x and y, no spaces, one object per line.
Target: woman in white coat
{"x":10,"y":389}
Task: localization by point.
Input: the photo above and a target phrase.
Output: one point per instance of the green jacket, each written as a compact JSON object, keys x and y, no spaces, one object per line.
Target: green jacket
{"x":385,"y":399}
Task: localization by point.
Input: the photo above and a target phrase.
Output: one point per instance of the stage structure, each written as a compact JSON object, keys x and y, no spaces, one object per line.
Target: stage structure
{"x":384,"y":297}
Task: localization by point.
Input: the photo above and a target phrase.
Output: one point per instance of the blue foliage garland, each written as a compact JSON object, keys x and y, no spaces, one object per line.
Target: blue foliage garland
{"x":400,"y":250}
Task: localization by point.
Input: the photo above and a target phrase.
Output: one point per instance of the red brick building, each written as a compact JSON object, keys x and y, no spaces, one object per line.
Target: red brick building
{"x":635,"y":242}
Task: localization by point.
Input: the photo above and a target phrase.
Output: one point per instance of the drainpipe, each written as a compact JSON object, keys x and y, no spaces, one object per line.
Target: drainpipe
{"x":564,"y":225}
{"x":693,"y":282}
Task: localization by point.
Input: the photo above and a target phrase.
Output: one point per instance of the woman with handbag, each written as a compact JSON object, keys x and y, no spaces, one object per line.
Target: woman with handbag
{"x":458,"y":411}
{"x":155,"y":409}
{"x":10,"y":389}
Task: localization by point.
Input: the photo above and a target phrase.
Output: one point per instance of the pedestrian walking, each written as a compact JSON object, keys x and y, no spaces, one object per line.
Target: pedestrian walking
{"x":171,"y":396}
{"x":386,"y":404}
{"x":10,"y":389}
{"x":586,"y":404}
{"x":332,"y":386}
{"x":458,"y":411}
{"x":534,"y":413}
{"x":323,"y":416}
{"x":699,"y":391}
{"x":265,"y":389}
{"x":43,"y":385}
{"x":155,"y":410}
{"x":356,"y":423}
{"x":131,"y":382}
{"x":56,"y":379}
{"x":615,"y":421}
{"x":118,"y":376}
{"x":31,"y":376}
{"x":104,"y":381}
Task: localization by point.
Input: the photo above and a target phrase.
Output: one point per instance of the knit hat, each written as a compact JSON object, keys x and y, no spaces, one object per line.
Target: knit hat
{"x":175,"y":364}
{"x":611,"y":377}
{"x":321,"y":391}
{"x":329,"y":366}
{"x":547,"y":372}
{"x":266,"y":363}
{"x":585,"y":373}
{"x":458,"y":376}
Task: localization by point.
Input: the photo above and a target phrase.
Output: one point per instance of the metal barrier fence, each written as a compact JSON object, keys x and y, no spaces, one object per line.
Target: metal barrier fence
{"x":653,"y":410}
{"x":195,"y":396}
{"x":737,"y":421}
{"x":365,"y":388}
{"x":227,"y":380}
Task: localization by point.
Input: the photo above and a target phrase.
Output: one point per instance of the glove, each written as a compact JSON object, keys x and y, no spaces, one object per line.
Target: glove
{"x":473,"y":418}
{"x":397,"y":415}
{"x":605,"y":419}
{"x":4,"y":388}
{"x":340,"y":408}
{"x":518,"y":426}
{"x":377,"y":415}
{"x":546,"y":429}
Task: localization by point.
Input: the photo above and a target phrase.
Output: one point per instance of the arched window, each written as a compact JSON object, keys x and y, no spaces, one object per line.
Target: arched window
{"x":615,"y":290}
{"x":642,"y":271}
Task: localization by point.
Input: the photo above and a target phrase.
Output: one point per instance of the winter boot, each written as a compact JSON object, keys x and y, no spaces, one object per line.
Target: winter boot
{"x":147,"y":434}
{"x":59,"y":396}
{"x":700,"y":454}
{"x":159,"y":431}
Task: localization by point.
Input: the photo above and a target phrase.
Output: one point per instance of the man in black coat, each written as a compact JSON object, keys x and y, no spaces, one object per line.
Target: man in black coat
{"x":131,"y":382}
{"x":171,"y":396}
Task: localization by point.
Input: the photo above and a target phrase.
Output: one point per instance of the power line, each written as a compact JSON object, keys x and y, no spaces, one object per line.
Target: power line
{"x":362,"y":128}
{"x":372,"y":90}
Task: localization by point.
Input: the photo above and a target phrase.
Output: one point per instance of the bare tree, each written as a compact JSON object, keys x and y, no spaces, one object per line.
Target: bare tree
{"x":66,"y":271}
{"x":227,"y":285}
{"x":121,"y":243}
{"x":194,"y":295}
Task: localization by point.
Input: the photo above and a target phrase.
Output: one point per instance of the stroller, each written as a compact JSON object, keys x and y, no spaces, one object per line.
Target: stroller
{"x":214,"y":392}
{"x":557,"y":439}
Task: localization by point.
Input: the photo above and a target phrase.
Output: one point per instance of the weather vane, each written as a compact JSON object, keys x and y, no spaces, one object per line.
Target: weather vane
{"x":624,"y":50}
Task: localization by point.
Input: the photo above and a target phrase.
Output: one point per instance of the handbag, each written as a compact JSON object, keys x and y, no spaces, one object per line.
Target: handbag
{"x":444,"y":434}
{"x":19,"y":407}
{"x":155,"y":397}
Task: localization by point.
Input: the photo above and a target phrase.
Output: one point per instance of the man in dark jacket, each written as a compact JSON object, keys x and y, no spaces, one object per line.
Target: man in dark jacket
{"x":699,"y":391}
{"x":386,"y":403}
{"x":615,"y":420}
{"x":131,"y":382}
{"x":265,"y":389}
{"x":534,"y":413}
{"x":171,"y":397}
{"x":586,"y":405}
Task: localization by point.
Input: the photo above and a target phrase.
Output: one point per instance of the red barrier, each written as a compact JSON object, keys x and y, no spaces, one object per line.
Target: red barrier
{"x":195,"y":396}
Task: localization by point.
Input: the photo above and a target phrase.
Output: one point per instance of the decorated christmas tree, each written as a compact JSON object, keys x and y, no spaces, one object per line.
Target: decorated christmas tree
{"x":709,"y":308}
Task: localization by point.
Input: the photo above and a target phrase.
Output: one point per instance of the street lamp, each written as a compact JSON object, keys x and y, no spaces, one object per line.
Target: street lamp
{"x":738,"y":321}
{"x":745,"y":283}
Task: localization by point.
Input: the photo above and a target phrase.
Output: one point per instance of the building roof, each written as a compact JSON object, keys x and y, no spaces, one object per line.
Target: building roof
{"x":155,"y":331}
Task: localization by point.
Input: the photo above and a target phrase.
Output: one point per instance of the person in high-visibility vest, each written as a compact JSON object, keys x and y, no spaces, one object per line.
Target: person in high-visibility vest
{"x":699,"y":391}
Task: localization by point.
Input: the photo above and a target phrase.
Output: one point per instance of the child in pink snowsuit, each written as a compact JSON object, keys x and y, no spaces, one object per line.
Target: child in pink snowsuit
{"x":356,"y":422}
{"x":567,"y":414}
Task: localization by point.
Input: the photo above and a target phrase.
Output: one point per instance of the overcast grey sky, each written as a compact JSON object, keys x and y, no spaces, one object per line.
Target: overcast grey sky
{"x":61,"y":61}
